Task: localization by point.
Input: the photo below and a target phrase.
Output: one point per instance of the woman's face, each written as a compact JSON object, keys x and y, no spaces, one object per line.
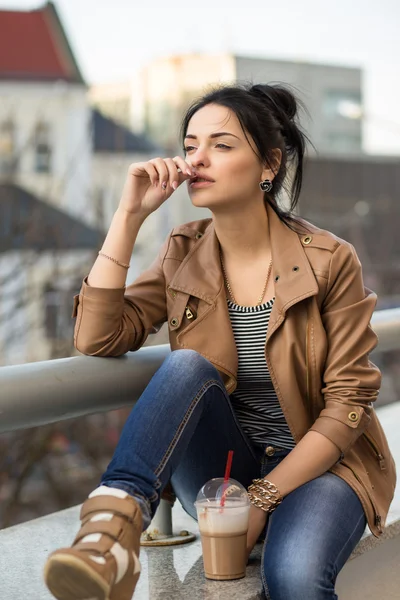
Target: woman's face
{"x":216,"y":147}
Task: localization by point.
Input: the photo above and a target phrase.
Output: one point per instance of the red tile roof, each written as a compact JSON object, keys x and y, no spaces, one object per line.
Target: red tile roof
{"x":34,"y":46}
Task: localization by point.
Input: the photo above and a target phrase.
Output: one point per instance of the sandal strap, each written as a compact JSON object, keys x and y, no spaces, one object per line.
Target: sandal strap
{"x":101,"y":547}
{"x":124,"y":507}
{"x":111,"y":528}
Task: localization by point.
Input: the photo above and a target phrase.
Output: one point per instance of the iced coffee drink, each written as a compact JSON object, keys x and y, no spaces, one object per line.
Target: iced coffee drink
{"x":223,"y":528}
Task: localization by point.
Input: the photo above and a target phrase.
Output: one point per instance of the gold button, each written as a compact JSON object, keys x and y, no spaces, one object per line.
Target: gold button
{"x":270,"y":451}
{"x":353,"y":416}
{"x":199,"y":235}
{"x":174,"y":322}
{"x":307,"y":239}
{"x":172,"y":292}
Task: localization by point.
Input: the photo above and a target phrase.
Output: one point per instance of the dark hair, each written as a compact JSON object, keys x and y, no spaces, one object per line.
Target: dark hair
{"x":269,"y":113}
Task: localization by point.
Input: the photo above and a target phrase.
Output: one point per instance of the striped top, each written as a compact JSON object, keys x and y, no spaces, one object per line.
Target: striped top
{"x":254,"y":401}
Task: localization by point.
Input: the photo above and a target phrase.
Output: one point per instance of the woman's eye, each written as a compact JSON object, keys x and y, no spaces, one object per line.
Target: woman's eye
{"x":220,"y":145}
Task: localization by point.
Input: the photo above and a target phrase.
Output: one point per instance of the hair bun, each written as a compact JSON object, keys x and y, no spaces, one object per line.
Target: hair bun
{"x":281,"y":100}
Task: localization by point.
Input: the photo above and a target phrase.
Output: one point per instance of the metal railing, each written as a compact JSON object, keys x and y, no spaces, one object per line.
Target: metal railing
{"x":39,"y":393}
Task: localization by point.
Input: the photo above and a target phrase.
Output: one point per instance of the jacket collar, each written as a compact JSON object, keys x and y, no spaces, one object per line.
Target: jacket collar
{"x":200,"y":273}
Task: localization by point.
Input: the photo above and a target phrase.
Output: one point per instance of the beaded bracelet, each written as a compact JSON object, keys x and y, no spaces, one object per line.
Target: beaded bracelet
{"x":114,"y":260}
{"x":264,"y":494}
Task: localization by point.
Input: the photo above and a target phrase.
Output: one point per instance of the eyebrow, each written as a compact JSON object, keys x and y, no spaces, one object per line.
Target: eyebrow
{"x":212,"y":136}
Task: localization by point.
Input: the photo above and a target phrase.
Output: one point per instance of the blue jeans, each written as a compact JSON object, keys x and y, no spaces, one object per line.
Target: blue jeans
{"x":181,"y":430}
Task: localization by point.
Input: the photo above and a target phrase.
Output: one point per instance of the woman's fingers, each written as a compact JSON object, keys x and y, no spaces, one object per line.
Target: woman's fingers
{"x":152,"y":172}
{"x":183,"y":165}
{"x":184,"y":169}
{"x":144,"y":170}
{"x":176,"y":173}
{"x":173,"y":175}
{"x":162,"y":171}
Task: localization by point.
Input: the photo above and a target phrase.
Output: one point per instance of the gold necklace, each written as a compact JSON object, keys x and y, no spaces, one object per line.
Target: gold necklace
{"x":228,"y":285}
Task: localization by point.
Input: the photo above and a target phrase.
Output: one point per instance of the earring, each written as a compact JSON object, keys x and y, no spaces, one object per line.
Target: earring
{"x":266,"y":185}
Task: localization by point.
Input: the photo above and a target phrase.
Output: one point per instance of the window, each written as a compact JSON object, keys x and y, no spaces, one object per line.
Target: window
{"x":42,"y":148}
{"x":345,"y":104}
{"x":7,"y":147}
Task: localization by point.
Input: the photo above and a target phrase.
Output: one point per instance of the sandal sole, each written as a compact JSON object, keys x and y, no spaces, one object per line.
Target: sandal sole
{"x":69,"y":578}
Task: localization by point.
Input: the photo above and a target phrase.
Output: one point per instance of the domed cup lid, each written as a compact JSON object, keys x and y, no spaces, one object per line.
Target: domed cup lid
{"x":213,"y":491}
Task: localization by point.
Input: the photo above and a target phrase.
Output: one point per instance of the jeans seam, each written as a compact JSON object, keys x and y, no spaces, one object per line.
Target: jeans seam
{"x":263,"y":578}
{"x":183,"y":422}
{"x":347,"y":541}
{"x":147,"y":500}
{"x":193,"y":404}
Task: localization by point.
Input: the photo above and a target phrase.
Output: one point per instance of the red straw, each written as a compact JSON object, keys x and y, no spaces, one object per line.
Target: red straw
{"x":226,"y":476}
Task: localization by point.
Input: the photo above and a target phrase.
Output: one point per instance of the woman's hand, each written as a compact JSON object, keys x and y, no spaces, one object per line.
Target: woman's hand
{"x":150,"y":184}
{"x":257,"y":522}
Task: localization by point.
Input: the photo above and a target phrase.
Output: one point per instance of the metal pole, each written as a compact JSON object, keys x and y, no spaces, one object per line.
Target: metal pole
{"x":160,"y":533}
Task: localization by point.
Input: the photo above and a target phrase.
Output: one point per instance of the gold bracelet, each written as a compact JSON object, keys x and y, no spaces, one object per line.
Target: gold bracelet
{"x":265,"y":506}
{"x":271,"y":487}
{"x":114,"y":260}
{"x":264,"y":494}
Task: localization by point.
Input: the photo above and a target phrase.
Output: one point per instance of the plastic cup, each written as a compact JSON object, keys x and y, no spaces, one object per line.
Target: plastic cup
{"x":223,"y":529}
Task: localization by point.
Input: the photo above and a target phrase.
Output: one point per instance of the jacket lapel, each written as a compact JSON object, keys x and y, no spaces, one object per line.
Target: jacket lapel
{"x":200,"y":275}
{"x":200,"y":272}
{"x":294,"y":278}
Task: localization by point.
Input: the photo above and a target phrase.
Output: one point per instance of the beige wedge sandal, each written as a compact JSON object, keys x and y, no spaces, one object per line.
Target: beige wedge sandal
{"x":105,"y":566}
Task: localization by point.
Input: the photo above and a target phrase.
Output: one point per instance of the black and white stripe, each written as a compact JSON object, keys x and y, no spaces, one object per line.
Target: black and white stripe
{"x":254,"y":401}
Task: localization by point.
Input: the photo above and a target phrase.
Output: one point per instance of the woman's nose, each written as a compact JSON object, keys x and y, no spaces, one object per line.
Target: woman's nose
{"x":199,"y":158}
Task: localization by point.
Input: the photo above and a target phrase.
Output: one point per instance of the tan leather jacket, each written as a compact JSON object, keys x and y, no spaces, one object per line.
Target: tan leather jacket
{"x":317,"y":345}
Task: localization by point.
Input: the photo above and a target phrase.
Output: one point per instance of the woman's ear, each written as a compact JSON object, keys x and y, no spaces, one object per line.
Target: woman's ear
{"x":271,"y":170}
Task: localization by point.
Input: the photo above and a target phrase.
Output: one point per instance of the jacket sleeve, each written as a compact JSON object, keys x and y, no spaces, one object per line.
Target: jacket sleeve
{"x":111,"y":322}
{"x":351,"y":381}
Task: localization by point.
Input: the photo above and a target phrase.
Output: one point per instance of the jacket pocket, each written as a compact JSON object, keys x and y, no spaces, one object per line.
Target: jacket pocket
{"x":182,"y":312}
{"x":376,"y":451}
{"x":189,"y":315}
{"x":377,"y":516}
{"x":190,"y":312}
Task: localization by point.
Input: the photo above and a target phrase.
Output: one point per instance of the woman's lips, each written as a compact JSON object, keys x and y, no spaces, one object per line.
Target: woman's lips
{"x":200,"y":181}
{"x":200,"y":184}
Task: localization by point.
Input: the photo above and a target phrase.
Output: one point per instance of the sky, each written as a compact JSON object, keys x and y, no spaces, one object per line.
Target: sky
{"x":112,"y":39}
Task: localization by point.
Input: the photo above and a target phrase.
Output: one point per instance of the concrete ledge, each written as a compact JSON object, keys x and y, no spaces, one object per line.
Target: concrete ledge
{"x":177,"y":573}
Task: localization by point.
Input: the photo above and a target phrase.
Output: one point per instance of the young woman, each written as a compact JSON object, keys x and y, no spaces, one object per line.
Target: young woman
{"x":269,"y":323}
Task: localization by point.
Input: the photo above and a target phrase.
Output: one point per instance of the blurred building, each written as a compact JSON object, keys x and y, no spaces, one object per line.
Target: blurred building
{"x":115,"y":101}
{"x":45,"y":119}
{"x":44,"y":254}
{"x":66,"y":163}
{"x":155,"y":100}
{"x":358,"y":199}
